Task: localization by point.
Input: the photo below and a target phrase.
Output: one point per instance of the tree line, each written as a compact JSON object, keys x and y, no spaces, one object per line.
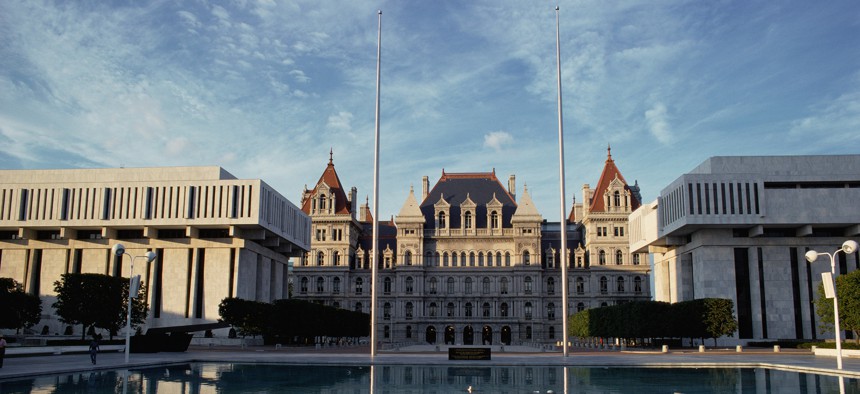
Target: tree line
{"x":282,"y":321}
{"x":701,"y":318}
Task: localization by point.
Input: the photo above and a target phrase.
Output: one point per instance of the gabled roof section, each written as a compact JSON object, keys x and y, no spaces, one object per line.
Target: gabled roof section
{"x":329,"y":177}
{"x":479,"y":187}
{"x":411,"y":211}
{"x":610,"y":173}
{"x":526,"y":211}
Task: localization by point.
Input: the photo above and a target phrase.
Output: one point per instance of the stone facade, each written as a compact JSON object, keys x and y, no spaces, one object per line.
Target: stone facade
{"x":215,"y":236}
{"x":738,"y":228}
{"x":467,"y":263}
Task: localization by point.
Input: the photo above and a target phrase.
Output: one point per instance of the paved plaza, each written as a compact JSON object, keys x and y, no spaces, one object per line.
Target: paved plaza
{"x":787,"y":359}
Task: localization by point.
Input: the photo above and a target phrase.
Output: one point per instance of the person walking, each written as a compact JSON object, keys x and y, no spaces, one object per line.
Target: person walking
{"x":2,"y":349}
{"x":94,"y":348}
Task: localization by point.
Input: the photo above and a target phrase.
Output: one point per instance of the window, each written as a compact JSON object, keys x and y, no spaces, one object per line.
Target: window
{"x":579,"y":261}
{"x":321,"y":204}
{"x":441,"y":220}
{"x":471,"y":259}
{"x":550,"y":258}
{"x":507,"y":259}
{"x":359,"y":286}
{"x":335,"y":257}
{"x":480,"y":259}
{"x":485,"y":285}
{"x":320,"y":258}
{"x":580,"y":307}
{"x":494,"y":219}
{"x":335,"y":285}
{"x":433,"y":282}
{"x":386,"y":286}
{"x":450,"y":285}
{"x":409,"y":310}
{"x":434,"y":309}
{"x":503,"y":286}
{"x":407,"y":258}
{"x":485,"y":309}
{"x":449,"y":309}
{"x":503,"y":309}
{"x":551,"y":332}
{"x":463,"y":259}
{"x":580,"y":286}
{"x":528,"y":332}
{"x":468,"y":309}
{"x":620,"y":284}
{"x":550,"y":311}
{"x":408,"y":331}
{"x":637,"y":285}
{"x":601,"y":257}
{"x":303,"y":287}
{"x":410,"y":284}
{"x":528,"y":310}
{"x":358,"y":307}
{"x":619,"y":257}
{"x":320,"y":285}
{"x":550,"y":286}
{"x":468,"y":286}
{"x":467,"y":220}
{"x":528,"y":285}
{"x":604,"y":285}
{"x":526,"y":258}
{"x":498,"y":259}
{"x":636,"y":259}
{"x":617,"y":198}
{"x":386,"y":311}
{"x":490,"y":259}
{"x":386,"y":332}
{"x":445,"y":259}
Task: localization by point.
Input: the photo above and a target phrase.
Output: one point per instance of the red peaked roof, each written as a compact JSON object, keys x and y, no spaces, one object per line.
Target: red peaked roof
{"x":329,"y":176}
{"x":610,"y":172}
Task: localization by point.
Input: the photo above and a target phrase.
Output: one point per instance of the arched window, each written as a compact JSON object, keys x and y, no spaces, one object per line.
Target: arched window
{"x":359,"y":285}
{"x":580,"y":286}
{"x":386,"y":311}
{"x":335,"y":285}
{"x":485,"y":309}
{"x":619,"y":257}
{"x":442,"y":220}
{"x":335,"y":258}
{"x":468,"y":309}
{"x":503,"y":309}
{"x":357,"y":307}
{"x":580,"y":307}
{"x":428,"y":259}
{"x":467,"y":219}
{"x":498,"y":259}
{"x":410,"y":284}
{"x":454,"y":259}
{"x":386,"y":286}
{"x":601,"y":257}
{"x":490,"y":259}
{"x":335,"y":304}
{"x":550,"y":285}
{"x":450,"y":285}
{"x":303,"y":285}
{"x":409,"y":310}
{"x":637,"y":285}
{"x":528,"y":310}
{"x":604,"y":285}
{"x":507,"y":259}
{"x":550,"y":311}
{"x":320,"y":285}
{"x":480,"y":259}
{"x":468,"y":289}
{"x":620,"y":284}
{"x":494,"y":219}
{"x":433,"y":283}
{"x":434,"y":309}
{"x":445,"y":259}
{"x":503,"y":286}
{"x":449,"y":309}
{"x":528,"y":285}
{"x":485,"y":285}
{"x":471,"y":259}
{"x":617,"y":198}
{"x":463,"y":259}
{"x":526,"y":258}
{"x":604,"y":304}
{"x":407,"y":258}
{"x":320,"y":258}
{"x":321,"y":204}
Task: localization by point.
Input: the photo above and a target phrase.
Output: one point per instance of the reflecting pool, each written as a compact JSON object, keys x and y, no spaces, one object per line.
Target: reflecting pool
{"x":282,"y":378}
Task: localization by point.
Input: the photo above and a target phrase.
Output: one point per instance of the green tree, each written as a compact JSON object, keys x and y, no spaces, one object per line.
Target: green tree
{"x":249,"y":317}
{"x":718,"y":318}
{"x":96,"y":300}
{"x":17,"y":308}
{"x":848,"y":293}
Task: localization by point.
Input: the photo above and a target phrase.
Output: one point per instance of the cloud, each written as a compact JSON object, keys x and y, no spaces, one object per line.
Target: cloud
{"x":342,"y":121}
{"x":300,"y":76}
{"x":658,"y":125}
{"x":495,"y":139}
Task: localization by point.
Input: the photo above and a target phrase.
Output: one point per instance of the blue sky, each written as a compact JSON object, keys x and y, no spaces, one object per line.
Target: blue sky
{"x":266,"y":88}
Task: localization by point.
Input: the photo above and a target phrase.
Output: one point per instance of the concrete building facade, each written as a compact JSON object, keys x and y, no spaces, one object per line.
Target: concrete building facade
{"x":738,"y":228}
{"x":215,"y":236}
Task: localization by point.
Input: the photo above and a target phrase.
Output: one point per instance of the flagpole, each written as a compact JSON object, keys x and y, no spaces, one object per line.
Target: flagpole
{"x":375,"y":212}
{"x":562,"y":198}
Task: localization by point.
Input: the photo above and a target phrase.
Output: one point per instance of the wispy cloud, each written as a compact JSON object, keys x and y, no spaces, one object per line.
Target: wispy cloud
{"x":658,"y":123}
{"x":496,"y":140}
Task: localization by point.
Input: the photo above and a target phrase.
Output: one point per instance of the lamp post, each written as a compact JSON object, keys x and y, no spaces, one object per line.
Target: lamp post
{"x":847,"y":248}
{"x":119,"y":250}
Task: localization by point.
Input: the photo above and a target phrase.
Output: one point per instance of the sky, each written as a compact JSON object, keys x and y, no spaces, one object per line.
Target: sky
{"x":266,"y":89}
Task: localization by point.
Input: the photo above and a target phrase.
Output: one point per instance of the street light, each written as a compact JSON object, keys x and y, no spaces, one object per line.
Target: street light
{"x":119,"y":250}
{"x":848,"y":247}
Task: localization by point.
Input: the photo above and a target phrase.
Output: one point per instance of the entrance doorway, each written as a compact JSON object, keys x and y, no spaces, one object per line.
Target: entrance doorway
{"x":449,"y":335}
{"x":487,"y":335}
{"x":506,"y":335}
{"x":430,"y":336}
{"x":468,"y":335}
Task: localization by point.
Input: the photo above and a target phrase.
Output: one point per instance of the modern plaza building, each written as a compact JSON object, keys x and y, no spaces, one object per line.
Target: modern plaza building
{"x":215,"y":236}
{"x":468,"y":261}
{"x":738,"y":228}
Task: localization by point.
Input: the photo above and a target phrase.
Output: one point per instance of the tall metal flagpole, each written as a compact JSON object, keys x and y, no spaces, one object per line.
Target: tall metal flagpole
{"x":375,"y":195}
{"x":563,"y":221}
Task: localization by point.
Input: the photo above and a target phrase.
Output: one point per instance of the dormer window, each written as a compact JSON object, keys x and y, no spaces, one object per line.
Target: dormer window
{"x":321,"y":204}
{"x":494,"y":219}
{"x":442,"y":223}
{"x":467,"y":219}
{"x":617,"y":198}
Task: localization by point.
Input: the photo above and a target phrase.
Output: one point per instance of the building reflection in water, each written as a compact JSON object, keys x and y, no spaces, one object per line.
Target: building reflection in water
{"x":204,"y":378}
